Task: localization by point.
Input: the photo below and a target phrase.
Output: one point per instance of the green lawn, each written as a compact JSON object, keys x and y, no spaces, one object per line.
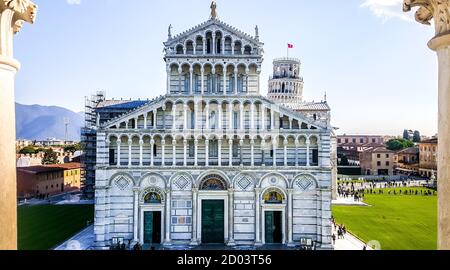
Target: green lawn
{"x":398,"y":222}
{"x":42,"y":227}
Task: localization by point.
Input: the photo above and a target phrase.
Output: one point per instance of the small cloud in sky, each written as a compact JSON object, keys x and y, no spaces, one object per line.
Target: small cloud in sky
{"x":73,"y":2}
{"x":387,"y":9}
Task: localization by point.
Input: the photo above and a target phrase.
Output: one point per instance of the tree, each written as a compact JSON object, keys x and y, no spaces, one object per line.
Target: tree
{"x":28,"y":150}
{"x":417,"y":137}
{"x":72,"y":148}
{"x":398,"y":144}
{"x":405,"y":134}
{"x":50,"y":157}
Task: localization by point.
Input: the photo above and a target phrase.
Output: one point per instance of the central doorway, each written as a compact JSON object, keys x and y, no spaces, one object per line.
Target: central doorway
{"x":152,"y":227}
{"x":273,"y":227}
{"x":213,"y":221}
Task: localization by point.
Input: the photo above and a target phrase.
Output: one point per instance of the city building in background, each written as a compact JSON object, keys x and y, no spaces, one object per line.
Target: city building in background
{"x":406,"y":161}
{"x":49,"y":180}
{"x":428,"y":157}
{"x":377,"y":161}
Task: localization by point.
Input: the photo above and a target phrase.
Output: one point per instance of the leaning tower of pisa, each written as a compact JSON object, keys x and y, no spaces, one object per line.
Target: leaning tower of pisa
{"x":286,"y":84}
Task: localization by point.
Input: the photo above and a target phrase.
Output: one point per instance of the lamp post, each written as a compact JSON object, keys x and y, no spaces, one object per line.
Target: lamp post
{"x":13,"y":13}
{"x":439,"y":10}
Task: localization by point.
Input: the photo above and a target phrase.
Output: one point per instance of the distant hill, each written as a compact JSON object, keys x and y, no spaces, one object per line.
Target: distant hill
{"x":35,"y":122}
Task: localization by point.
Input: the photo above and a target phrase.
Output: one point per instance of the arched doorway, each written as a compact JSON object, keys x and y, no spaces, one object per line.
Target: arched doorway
{"x":213,"y":212}
{"x":274,"y":205}
{"x":152,"y":216}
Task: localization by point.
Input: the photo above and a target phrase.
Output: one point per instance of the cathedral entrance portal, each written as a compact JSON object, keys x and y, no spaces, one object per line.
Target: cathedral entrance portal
{"x":273,"y":227}
{"x":213,"y":226}
{"x":152,"y":227}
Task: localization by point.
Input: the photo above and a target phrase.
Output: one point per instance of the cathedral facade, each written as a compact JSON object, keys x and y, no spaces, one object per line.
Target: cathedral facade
{"x":214,"y":161}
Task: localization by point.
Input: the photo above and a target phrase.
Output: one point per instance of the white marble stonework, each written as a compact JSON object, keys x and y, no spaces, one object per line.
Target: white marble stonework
{"x":213,"y":137}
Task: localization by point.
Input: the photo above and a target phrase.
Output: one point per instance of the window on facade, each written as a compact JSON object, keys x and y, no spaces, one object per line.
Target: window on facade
{"x":387,"y":155}
{"x":155,"y":150}
{"x":387,"y":163}
{"x":354,"y":140}
{"x":346,"y":140}
{"x":361,"y":140}
{"x":214,"y":149}
{"x":236,"y":120}
{"x":213,"y":120}
{"x":271,"y":153}
{"x":373,"y":140}
{"x":339,"y":140}
{"x":378,"y":156}
{"x":191,"y":149}
{"x":378,"y":163}
{"x":315,"y":157}
{"x":235,"y":150}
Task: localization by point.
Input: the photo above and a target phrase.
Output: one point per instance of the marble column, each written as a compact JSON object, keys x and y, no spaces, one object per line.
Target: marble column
{"x":224,"y":81}
{"x":231,"y":218}
{"x":141,"y":145}
{"x":168,"y":71}
{"x":207,"y":152}
{"x":257,"y":217}
{"x":241,"y":116}
{"x":285,"y":142}
{"x":252,"y":152}
{"x":167,"y":240}
{"x":202,"y":76}
{"x":230,"y":154}
{"x":163,"y":154}
{"x":185,"y":142}
{"x":230,"y":112}
{"x":119,"y":143}
{"x":130,"y":154}
{"x":290,"y":218}
{"x":136,"y":215}
{"x":219,"y":153}
{"x":241,"y":158}
{"x":252,"y":116}
{"x":439,"y":11}
{"x":207,"y":117}
{"x":220,"y":121}
{"x":297,"y":145}
{"x":195,"y":152}
{"x":308,"y":162}
{"x":174,"y":152}
{"x":191,"y":80}
{"x":155,"y":117}
{"x":145,"y":121}
{"x":194,"y":240}
{"x":185,"y":125}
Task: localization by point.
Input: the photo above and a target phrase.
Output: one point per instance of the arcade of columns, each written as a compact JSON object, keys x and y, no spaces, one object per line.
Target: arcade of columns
{"x":13,"y":13}
{"x":439,"y":10}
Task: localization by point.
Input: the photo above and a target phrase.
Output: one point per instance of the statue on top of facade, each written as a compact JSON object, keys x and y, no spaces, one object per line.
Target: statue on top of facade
{"x":169,"y":31}
{"x":214,"y":10}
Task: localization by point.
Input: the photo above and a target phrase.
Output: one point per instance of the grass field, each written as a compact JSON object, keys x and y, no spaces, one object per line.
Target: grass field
{"x":398,"y":222}
{"x":42,"y":227}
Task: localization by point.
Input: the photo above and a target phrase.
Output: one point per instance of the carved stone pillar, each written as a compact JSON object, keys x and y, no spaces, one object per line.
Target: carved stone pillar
{"x":130,"y":143}
{"x":285,"y":152}
{"x":231,"y":218}
{"x":290,"y":218}
{"x":202,"y":71}
{"x":194,"y":240}
{"x":257,"y":217}
{"x":118,"y":152}
{"x":174,"y":153}
{"x":195,"y":152}
{"x":308,"y":162}
{"x":136,"y":215}
{"x":191,"y":82}
{"x":152,"y":159}
{"x":141,"y":145}
{"x":185,"y":152}
{"x":252,"y":152}
{"x":12,"y":16}
{"x":439,"y":10}
{"x":230,"y":154}
{"x":163,"y":154}
{"x":167,"y":240}
{"x":207,"y":152}
{"x":219,"y":153}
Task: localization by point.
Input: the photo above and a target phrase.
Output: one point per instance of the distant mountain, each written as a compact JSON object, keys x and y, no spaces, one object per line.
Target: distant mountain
{"x":35,"y":122}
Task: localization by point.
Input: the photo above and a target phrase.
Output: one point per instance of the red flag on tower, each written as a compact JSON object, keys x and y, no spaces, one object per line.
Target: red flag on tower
{"x":290,"y":46}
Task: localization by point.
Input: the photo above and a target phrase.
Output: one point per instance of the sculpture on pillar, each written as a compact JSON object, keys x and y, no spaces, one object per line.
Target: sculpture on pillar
{"x":213,"y":10}
{"x":429,"y":9}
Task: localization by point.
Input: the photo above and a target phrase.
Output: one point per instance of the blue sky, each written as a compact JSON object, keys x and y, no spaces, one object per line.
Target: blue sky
{"x":370,"y":58}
